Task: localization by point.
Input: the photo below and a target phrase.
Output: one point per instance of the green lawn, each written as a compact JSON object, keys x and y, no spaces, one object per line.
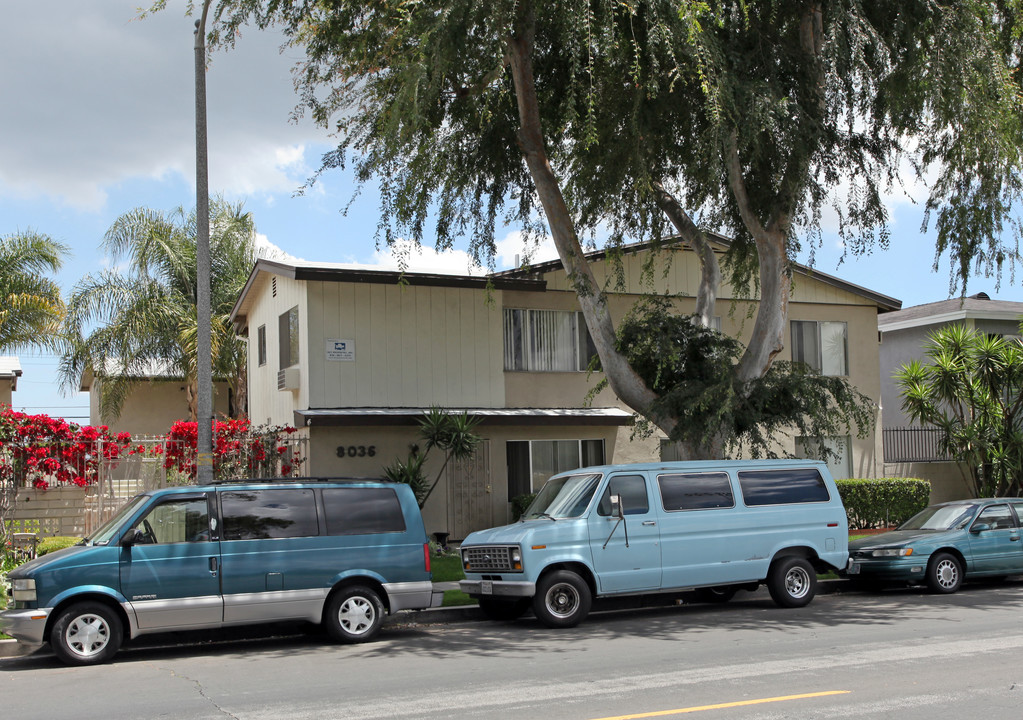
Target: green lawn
{"x":447,"y":568}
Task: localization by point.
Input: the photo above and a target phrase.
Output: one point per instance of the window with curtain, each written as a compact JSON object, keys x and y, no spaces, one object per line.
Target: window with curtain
{"x":287,"y":334}
{"x":546,"y":341}
{"x":532,"y":462}
{"x":823,"y":346}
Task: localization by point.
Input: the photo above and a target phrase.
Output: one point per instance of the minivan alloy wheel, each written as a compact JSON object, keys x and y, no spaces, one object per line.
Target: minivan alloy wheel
{"x":86,"y":633}
{"x":356,"y":615}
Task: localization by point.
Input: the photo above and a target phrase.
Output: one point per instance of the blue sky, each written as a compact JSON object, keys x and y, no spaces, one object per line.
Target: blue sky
{"x":99,"y":119}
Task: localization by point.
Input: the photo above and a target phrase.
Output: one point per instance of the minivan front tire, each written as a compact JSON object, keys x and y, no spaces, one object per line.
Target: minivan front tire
{"x":354,"y":614}
{"x":562,"y":599}
{"x":86,"y":633}
{"x":792,"y":582}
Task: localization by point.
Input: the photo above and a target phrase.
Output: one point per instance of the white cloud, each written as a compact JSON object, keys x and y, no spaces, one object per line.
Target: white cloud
{"x":513,"y":250}
{"x":106,"y":99}
{"x":425,"y":260}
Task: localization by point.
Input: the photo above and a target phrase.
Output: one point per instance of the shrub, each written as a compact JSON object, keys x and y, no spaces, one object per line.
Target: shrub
{"x":520,"y":503}
{"x":55,"y":543}
{"x":883,"y":502}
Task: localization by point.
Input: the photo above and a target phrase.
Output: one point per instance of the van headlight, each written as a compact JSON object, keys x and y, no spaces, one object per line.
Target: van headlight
{"x":23,"y":589}
{"x":892,"y":552}
{"x":516,"y":558}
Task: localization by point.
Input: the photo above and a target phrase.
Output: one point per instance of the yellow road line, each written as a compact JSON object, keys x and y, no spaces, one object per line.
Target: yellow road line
{"x":721,"y":706}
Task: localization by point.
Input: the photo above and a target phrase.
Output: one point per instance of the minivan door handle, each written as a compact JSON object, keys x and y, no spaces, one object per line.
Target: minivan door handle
{"x":213,"y":566}
{"x":649,"y":522}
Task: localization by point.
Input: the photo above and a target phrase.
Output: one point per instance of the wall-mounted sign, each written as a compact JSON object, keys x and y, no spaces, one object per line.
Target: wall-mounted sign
{"x":340,"y":350}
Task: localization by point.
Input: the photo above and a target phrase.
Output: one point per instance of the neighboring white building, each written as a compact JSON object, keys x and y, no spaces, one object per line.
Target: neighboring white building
{"x":355,"y":356}
{"x":912,"y":451}
{"x":10,"y":371}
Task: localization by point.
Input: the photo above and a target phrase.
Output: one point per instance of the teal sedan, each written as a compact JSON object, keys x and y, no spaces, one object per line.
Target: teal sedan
{"x":943,"y":545}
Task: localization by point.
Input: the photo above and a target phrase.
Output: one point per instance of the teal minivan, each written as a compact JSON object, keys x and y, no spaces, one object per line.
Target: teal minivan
{"x":712,"y":527}
{"x":340,"y":553}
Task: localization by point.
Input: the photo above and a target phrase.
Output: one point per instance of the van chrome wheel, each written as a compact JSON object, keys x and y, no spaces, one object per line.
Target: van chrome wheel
{"x":562,"y":599}
{"x":792,"y":582}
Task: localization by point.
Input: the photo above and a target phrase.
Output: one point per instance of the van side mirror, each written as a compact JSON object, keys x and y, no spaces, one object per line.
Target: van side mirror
{"x":132,"y":537}
{"x":979,"y":528}
{"x":617,"y":511}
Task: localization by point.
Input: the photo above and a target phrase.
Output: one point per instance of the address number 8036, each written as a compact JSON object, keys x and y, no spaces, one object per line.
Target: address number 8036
{"x":356,"y":451}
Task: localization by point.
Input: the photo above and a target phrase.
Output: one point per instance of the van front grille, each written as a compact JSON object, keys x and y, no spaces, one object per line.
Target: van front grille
{"x":489,"y":558}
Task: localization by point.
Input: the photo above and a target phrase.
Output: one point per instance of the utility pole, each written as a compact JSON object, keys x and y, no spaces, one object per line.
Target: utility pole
{"x":204,"y":360}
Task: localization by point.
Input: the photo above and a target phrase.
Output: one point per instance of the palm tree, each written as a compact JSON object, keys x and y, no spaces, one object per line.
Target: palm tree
{"x":146,"y":313}
{"x":30,"y":304}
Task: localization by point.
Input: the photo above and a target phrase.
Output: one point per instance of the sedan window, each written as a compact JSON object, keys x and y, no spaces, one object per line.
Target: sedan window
{"x":997,"y":516}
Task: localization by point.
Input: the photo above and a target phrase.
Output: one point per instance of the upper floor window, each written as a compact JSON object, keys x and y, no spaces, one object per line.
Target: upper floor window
{"x":823,"y":346}
{"x":261,"y":344}
{"x":287,"y":332}
{"x":546,"y":341}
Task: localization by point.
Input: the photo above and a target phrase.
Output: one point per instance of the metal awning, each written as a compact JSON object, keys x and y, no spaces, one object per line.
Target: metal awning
{"x":348,"y":417}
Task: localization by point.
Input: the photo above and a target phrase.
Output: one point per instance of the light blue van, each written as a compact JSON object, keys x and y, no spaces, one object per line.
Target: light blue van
{"x":341,"y":553}
{"x":714,"y":527}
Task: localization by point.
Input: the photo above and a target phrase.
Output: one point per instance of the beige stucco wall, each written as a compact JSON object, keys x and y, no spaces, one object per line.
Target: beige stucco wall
{"x":5,"y":391}
{"x":948,"y":480}
{"x":389,"y":443}
{"x":153,"y":406}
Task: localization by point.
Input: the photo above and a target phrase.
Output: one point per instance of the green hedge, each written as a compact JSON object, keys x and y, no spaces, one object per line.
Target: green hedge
{"x":520,"y":503}
{"x":55,"y":543}
{"x":884,"y":502}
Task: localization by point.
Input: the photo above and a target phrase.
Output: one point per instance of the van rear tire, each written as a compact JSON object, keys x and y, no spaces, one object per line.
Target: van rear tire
{"x":562,"y":599}
{"x":354,"y":614}
{"x":792,"y":582}
{"x":86,"y":633}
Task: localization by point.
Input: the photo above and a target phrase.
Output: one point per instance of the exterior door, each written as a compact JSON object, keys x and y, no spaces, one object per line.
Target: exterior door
{"x":171,"y":577}
{"x":470,"y":494}
{"x":627,"y":552}
{"x":998,"y":549}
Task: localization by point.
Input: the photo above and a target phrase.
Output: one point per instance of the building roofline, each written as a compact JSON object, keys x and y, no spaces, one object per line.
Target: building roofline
{"x":944,"y":312}
{"x":333,"y":272}
{"x":884,"y":302}
{"x":406,"y":416}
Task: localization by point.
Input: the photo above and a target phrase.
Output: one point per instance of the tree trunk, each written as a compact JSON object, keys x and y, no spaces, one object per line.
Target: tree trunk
{"x":624,"y":381}
{"x":710,"y":270}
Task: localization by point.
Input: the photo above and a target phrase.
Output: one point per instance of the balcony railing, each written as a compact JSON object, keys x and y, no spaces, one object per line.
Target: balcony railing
{"x":913,"y":445}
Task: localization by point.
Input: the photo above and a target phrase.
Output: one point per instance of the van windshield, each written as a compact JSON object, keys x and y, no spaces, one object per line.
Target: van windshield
{"x":108,"y":529}
{"x":564,"y":497}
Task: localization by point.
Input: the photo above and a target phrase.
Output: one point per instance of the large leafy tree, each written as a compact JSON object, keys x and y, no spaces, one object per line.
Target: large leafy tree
{"x":971,"y":389}
{"x":31,"y":307}
{"x":663,"y":116}
{"x":123,"y":323}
